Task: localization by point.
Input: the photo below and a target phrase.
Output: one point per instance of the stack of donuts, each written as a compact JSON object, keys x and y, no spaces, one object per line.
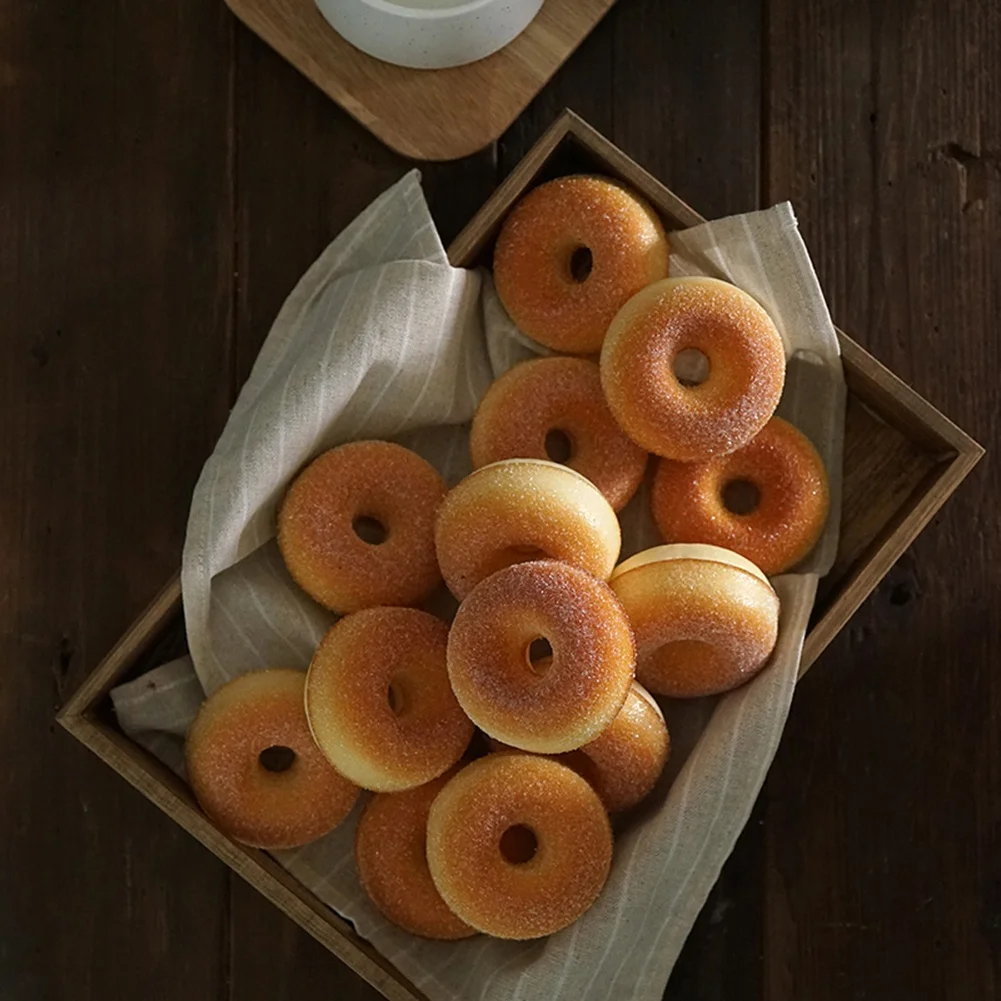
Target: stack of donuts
{"x":497,"y":746}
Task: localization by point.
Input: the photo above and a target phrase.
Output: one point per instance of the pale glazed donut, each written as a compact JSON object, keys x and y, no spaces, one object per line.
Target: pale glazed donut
{"x":544,"y":708}
{"x":391,"y":855}
{"x":625,"y":761}
{"x":687,"y":500}
{"x":562,"y":395}
{"x":379,"y":703}
{"x":368,"y":481}
{"x":518,"y":845}
{"x":705,"y":619}
{"x":223,"y":755}
{"x":534,"y":259}
{"x":746,"y":368}
{"x":523,"y":509}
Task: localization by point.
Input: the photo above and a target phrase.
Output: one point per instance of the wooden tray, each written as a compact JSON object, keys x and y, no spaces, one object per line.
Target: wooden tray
{"x":425,"y":114}
{"x":902,"y":461}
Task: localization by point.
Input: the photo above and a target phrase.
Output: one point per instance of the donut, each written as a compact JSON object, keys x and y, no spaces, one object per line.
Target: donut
{"x":674,"y":418}
{"x":787,"y":510}
{"x":356,"y":528}
{"x":539,"y":405}
{"x":519,"y":846}
{"x":625,"y":761}
{"x":523,"y":509}
{"x":379,"y":703}
{"x":705,"y":619}
{"x":391,"y":856}
{"x":569,"y":256}
{"x":515,"y":696}
{"x":254,"y":768}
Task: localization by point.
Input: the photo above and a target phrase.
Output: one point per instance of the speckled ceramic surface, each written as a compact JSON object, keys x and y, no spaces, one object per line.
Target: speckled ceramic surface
{"x":433,"y":35}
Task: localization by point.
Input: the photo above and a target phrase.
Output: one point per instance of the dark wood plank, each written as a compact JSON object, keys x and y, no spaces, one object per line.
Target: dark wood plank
{"x":688,"y":98}
{"x":305,"y":169}
{"x":687,"y":104}
{"x":583,"y":84}
{"x":883,"y":816}
{"x":115,"y":270}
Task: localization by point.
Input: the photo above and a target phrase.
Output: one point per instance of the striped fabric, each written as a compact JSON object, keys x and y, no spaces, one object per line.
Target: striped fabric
{"x":383,"y":339}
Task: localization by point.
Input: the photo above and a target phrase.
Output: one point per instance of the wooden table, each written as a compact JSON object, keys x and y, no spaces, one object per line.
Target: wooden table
{"x":165,"y":179}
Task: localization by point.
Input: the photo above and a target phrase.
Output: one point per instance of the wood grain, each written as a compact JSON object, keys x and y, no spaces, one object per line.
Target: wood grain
{"x":115,"y":283}
{"x":884,"y":858}
{"x":427,"y":115}
{"x":165,"y":181}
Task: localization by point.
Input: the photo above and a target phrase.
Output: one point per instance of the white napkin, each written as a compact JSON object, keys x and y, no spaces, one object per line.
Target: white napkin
{"x":382,"y":338}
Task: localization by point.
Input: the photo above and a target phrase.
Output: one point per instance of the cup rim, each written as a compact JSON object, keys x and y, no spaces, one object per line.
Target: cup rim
{"x":424,"y":13}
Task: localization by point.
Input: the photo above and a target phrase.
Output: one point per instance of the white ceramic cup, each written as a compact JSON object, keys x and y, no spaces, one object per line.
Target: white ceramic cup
{"x":429,"y":34}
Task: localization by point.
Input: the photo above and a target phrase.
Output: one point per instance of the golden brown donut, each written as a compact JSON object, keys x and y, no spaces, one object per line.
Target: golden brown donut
{"x":546,"y":244}
{"x":379,"y":703}
{"x":547,"y":706}
{"x":746,"y":368}
{"x":519,"y":846}
{"x":705,"y":619}
{"x":361,"y":488}
{"x":624,"y":762}
{"x":781,"y":466}
{"x":537,"y":399}
{"x":523,"y":509}
{"x":391,"y":855}
{"x":243,"y":733}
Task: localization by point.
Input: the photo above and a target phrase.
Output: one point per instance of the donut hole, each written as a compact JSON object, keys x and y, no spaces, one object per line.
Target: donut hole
{"x":370,"y":529}
{"x":539,"y":654}
{"x":581,"y":264}
{"x":740,"y":496}
{"x":277,"y":758}
{"x":691,"y":367}
{"x":559,"y":446}
{"x":396,"y":698}
{"x":518,"y":844}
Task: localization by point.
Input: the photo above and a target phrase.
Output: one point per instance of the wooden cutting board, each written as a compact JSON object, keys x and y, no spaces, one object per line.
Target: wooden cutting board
{"x":425,"y":114}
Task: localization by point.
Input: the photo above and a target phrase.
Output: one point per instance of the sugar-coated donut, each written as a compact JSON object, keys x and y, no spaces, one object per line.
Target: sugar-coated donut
{"x":379,"y":702}
{"x":624,"y":762}
{"x":558,"y":396}
{"x":540,"y":248}
{"x":523,"y":509}
{"x":705,"y":619}
{"x":341,"y":495}
{"x":746,"y":368}
{"x":783,"y":469}
{"x":391,"y":856}
{"x":254,"y":768}
{"x":554,"y":704}
{"x":518,"y":845}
